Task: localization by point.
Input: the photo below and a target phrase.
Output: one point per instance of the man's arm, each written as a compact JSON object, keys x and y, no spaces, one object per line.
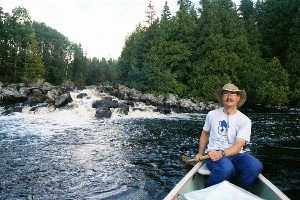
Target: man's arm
{"x":230,"y":151}
{"x":236,"y":148}
{"x":202,"y":143}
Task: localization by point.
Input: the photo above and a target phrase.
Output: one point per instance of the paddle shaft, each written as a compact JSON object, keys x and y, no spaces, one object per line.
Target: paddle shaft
{"x":201,"y":158}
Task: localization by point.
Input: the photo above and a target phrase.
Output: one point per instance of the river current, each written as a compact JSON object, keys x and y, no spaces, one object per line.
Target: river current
{"x":68,"y":154}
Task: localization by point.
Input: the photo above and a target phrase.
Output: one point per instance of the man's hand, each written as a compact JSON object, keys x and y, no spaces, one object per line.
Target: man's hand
{"x":197,"y":157}
{"x":214,"y":155}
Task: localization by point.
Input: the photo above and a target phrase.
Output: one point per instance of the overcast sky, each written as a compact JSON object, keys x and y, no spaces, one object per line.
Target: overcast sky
{"x":101,"y":26}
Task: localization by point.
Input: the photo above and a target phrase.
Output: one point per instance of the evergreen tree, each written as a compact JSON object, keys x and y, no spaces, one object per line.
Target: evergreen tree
{"x":278,"y":22}
{"x":156,"y":71}
{"x":166,"y":13}
{"x":34,"y":66}
{"x":292,"y":61}
{"x":129,"y":64}
{"x":18,"y":30}
{"x":78,"y":68}
{"x":274,"y":89}
{"x":96,"y":72}
{"x":56,"y":50}
{"x":5,"y":75}
{"x":222,"y":44}
{"x":246,"y":10}
{"x":151,"y":15}
{"x":182,"y":44}
{"x":137,"y":47}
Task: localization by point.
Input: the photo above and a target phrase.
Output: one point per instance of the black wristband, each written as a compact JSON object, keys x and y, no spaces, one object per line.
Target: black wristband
{"x":223,"y":153}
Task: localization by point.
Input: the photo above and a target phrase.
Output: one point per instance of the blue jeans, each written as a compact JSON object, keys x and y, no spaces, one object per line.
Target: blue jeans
{"x":241,"y":169}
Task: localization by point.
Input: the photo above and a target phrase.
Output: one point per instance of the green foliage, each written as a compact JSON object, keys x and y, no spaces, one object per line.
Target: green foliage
{"x":270,"y":94}
{"x":204,"y":86}
{"x":274,"y":89}
{"x":190,"y":54}
{"x":34,"y":66}
{"x":293,"y":69}
{"x":17,"y":29}
{"x":55,"y":49}
{"x":279,"y":25}
{"x":33,"y":50}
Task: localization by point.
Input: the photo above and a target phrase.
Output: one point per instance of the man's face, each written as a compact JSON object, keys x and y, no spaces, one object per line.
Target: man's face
{"x":230,"y":98}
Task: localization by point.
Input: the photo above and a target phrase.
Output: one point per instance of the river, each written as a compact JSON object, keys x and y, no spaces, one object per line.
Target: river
{"x":68,"y":154}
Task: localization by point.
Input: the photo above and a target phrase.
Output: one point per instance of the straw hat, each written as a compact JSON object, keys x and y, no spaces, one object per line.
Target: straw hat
{"x":231,"y":88}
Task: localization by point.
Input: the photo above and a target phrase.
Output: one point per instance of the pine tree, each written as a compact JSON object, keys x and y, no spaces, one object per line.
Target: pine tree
{"x":274,"y":89}
{"x":56,"y":49}
{"x":33,"y":66}
{"x":5,"y":75}
{"x":19,"y":30}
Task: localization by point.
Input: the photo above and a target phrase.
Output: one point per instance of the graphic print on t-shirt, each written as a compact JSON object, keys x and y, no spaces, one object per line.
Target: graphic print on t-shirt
{"x":222,"y":128}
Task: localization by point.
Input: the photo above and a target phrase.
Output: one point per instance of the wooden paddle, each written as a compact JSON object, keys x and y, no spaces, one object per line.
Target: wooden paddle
{"x":188,"y":160}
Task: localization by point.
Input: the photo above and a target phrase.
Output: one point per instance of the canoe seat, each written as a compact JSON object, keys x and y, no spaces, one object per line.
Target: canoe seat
{"x":204,"y":170}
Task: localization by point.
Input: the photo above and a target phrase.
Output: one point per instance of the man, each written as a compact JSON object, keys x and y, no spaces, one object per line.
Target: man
{"x":226,"y":130}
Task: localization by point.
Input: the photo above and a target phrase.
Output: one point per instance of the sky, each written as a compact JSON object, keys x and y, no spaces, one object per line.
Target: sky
{"x":100,"y":26}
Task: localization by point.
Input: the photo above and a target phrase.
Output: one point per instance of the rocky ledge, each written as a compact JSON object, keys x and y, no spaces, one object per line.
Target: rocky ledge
{"x":14,"y":97}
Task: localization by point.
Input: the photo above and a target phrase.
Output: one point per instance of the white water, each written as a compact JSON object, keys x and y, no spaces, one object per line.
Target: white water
{"x":81,"y":109}
{"x":79,"y":113}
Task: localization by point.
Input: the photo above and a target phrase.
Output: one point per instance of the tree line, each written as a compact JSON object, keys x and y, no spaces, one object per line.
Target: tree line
{"x":190,"y":53}
{"x":30,"y":49}
{"x":196,"y":51}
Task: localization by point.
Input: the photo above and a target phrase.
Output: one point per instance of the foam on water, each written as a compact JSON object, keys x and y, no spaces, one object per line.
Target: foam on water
{"x":80,"y":109}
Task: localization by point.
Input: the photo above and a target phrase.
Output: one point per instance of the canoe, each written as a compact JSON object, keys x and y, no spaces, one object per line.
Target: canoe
{"x":195,"y":178}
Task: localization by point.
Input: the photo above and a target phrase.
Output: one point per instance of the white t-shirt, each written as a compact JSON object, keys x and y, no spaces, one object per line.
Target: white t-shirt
{"x":224,"y":129}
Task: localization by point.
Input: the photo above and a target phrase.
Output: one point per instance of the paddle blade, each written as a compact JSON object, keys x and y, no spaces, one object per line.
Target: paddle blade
{"x":187,"y":159}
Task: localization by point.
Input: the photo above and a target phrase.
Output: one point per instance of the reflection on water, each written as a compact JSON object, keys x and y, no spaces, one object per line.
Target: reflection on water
{"x":134,"y":157}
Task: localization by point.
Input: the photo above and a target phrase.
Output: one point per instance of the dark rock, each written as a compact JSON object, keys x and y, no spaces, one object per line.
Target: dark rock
{"x":164,"y":109}
{"x":52,"y":95}
{"x":123,"y":111}
{"x":10,"y":95}
{"x":46,"y":87}
{"x":67,"y":85}
{"x":63,"y":100}
{"x":35,"y":99}
{"x":82,"y":95}
{"x":124,"y":106}
{"x":148,"y":99}
{"x":103,"y":112}
{"x":8,"y":111}
{"x":38,"y":106}
{"x":105,"y":102}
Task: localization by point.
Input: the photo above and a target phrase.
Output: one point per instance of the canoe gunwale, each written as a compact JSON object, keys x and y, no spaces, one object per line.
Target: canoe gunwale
{"x":173,"y":194}
{"x":272,"y":187}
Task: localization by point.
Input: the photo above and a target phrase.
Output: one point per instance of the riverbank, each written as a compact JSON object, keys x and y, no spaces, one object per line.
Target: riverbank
{"x":40,"y":94}
{"x":37,"y":94}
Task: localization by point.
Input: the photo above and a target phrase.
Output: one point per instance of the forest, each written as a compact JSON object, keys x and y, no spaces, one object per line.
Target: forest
{"x":191,"y":53}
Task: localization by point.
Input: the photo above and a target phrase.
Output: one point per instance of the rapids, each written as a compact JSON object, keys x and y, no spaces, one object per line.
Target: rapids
{"x":69,"y":154}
